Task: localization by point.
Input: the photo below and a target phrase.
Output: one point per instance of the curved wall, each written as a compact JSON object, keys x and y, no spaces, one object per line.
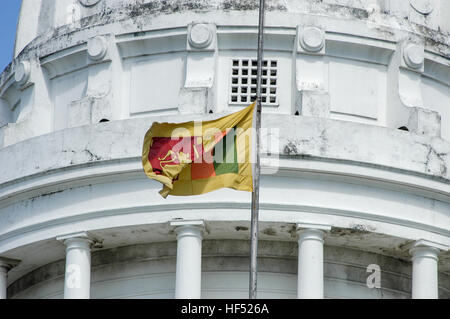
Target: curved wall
{"x":148,"y":271}
{"x":342,"y":77}
{"x":377,"y":62}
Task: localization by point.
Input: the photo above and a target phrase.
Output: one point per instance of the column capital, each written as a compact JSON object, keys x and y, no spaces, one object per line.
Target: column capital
{"x":78,"y":240}
{"x":425,"y":248}
{"x":308,"y":231}
{"x":187,"y":222}
{"x":178,"y":224}
{"x":8,"y":263}
{"x":312,"y":226}
{"x":188,"y":228}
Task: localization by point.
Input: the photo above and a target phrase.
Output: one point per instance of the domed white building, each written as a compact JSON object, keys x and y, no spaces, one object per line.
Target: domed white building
{"x":356,"y":93}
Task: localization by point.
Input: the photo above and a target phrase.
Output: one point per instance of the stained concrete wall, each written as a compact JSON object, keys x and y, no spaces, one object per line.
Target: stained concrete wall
{"x":147,"y":271}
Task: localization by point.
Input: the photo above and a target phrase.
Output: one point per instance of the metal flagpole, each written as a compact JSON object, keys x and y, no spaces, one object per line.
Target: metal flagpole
{"x":255,"y":194}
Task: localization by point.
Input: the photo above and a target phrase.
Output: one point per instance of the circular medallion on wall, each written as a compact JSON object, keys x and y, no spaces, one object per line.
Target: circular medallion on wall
{"x":414,"y":56}
{"x":22,"y":73}
{"x":311,"y":39}
{"x":97,"y":48}
{"x":89,"y":3}
{"x":200,"y":36}
{"x":422,"y":6}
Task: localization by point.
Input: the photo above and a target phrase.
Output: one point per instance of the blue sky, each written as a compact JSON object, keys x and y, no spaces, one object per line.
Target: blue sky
{"x":8,"y":23}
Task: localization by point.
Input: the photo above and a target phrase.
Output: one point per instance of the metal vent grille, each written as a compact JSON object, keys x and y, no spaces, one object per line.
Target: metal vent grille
{"x":243,"y":82}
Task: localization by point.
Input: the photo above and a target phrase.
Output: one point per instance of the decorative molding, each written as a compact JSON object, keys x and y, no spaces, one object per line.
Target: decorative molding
{"x":424,"y":243}
{"x":200,"y":36}
{"x":424,"y":7}
{"x":437,"y":68}
{"x":306,"y":226}
{"x":97,"y":47}
{"x":83,"y":174}
{"x":89,"y":3}
{"x":57,"y":63}
{"x":209,"y":206}
{"x":83,"y":235}
{"x":8,"y":263}
{"x":413,"y":54}
{"x":151,"y":42}
{"x":359,"y":48}
{"x":22,"y":72}
{"x":312,"y":39}
{"x":186,"y":222}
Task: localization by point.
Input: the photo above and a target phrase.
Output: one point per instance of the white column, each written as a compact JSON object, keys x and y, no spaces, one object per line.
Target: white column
{"x":425,"y":269}
{"x":3,"y":281}
{"x":77,"y":283}
{"x":189,"y":259}
{"x":6,"y":264}
{"x":310,"y":261}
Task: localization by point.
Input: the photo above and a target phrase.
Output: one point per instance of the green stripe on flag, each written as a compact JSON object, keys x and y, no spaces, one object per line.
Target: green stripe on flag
{"x":225,"y":155}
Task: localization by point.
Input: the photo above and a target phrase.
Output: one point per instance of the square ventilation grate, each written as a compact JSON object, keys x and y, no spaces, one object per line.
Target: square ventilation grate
{"x":243,"y":82}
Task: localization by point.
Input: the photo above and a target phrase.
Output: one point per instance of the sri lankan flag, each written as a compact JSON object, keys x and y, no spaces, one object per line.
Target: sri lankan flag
{"x":193,"y":158}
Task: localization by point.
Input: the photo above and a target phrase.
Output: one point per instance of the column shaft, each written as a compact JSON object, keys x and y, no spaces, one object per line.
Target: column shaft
{"x":189,"y":262}
{"x":310,"y":264}
{"x":3,"y":282}
{"x":77,"y":283}
{"x":424,"y":273}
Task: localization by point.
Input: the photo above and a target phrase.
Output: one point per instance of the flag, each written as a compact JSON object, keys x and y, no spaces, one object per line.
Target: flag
{"x":193,"y":158}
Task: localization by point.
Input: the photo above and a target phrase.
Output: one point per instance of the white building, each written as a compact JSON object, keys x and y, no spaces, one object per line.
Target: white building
{"x":352,"y":194}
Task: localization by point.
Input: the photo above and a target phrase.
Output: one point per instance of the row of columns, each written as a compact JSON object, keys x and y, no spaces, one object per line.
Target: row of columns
{"x":310,"y":264}
{"x":189,"y":258}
